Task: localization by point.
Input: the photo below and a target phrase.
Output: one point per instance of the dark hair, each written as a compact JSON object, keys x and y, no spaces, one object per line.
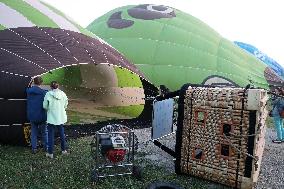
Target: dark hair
{"x":281,"y":91}
{"x":164,"y":89}
{"x":38,"y":80}
{"x":54,"y":85}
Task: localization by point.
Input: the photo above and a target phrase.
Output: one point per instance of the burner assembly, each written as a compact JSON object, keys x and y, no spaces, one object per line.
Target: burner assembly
{"x":113,"y":149}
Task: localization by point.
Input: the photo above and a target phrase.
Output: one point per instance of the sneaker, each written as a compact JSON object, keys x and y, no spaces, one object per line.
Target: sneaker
{"x":49,"y":155}
{"x":277,"y":141}
{"x":65,"y":152}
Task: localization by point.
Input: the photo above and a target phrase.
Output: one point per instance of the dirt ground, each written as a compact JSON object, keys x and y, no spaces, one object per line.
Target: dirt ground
{"x":88,"y":106}
{"x":91,"y":108}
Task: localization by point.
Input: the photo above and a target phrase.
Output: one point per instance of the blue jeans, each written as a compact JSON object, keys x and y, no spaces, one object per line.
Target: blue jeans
{"x":51,"y":131}
{"x":278,"y":122}
{"x":38,"y":128}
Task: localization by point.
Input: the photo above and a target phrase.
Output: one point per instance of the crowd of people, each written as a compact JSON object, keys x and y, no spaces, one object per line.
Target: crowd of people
{"x":46,"y":111}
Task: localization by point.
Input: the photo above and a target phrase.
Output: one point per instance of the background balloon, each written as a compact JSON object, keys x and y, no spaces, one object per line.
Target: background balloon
{"x":275,"y":66}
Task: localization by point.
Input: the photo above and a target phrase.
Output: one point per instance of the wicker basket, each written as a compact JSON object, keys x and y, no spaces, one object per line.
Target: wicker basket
{"x":220,"y":134}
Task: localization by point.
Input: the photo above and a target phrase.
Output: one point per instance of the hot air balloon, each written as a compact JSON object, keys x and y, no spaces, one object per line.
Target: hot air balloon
{"x":38,"y":40}
{"x":172,"y":48}
{"x":275,"y":66}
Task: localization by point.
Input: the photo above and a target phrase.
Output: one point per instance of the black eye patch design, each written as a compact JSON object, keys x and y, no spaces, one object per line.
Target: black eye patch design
{"x":151,"y":12}
{"x":116,"y":21}
{"x":144,"y":12}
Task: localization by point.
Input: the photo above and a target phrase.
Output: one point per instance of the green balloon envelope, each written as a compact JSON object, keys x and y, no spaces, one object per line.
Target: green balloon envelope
{"x":173,"y":48}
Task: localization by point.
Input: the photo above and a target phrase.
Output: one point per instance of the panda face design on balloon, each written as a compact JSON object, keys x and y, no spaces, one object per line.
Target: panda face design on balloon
{"x":144,"y":12}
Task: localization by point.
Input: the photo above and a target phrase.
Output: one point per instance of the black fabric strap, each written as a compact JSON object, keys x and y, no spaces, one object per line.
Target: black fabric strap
{"x":240,"y":139}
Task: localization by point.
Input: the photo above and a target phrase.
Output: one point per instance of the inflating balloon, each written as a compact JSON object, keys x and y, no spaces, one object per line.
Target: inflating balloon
{"x":38,"y":40}
{"x":172,"y":48}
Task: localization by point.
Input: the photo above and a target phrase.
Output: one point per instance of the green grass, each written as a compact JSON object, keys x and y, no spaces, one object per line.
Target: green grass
{"x":73,"y":117}
{"x":131,"y":111}
{"x":56,"y":75}
{"x":2,"y":27}
{"x":79,"y":117}
{"x":70,"y":76}
{"x":21,"y":169}
{"x":126,"y":78}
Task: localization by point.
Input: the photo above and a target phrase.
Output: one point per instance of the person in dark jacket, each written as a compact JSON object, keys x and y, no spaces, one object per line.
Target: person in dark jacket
{"x":36,"y":113}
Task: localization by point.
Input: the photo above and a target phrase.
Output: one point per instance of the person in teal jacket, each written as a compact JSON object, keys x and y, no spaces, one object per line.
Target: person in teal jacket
{"x":278,"y":107}
{"x":55,"y":103}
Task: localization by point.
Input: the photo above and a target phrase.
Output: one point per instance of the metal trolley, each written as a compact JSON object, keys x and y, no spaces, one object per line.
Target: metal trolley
{"x":113,"y":152}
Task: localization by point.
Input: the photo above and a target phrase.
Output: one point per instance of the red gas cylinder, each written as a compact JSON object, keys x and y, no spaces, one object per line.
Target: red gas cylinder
{"x":116,"y":155}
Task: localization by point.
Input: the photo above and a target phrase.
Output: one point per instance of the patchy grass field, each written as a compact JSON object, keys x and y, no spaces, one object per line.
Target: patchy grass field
{"x":79,"y":117}
{"x":131,"y":111}
{"x":21,"y":169}
{"x":106,"y":113}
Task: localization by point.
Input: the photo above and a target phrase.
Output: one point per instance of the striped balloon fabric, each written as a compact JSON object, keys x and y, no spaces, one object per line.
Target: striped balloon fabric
{"x":35,"y":39}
